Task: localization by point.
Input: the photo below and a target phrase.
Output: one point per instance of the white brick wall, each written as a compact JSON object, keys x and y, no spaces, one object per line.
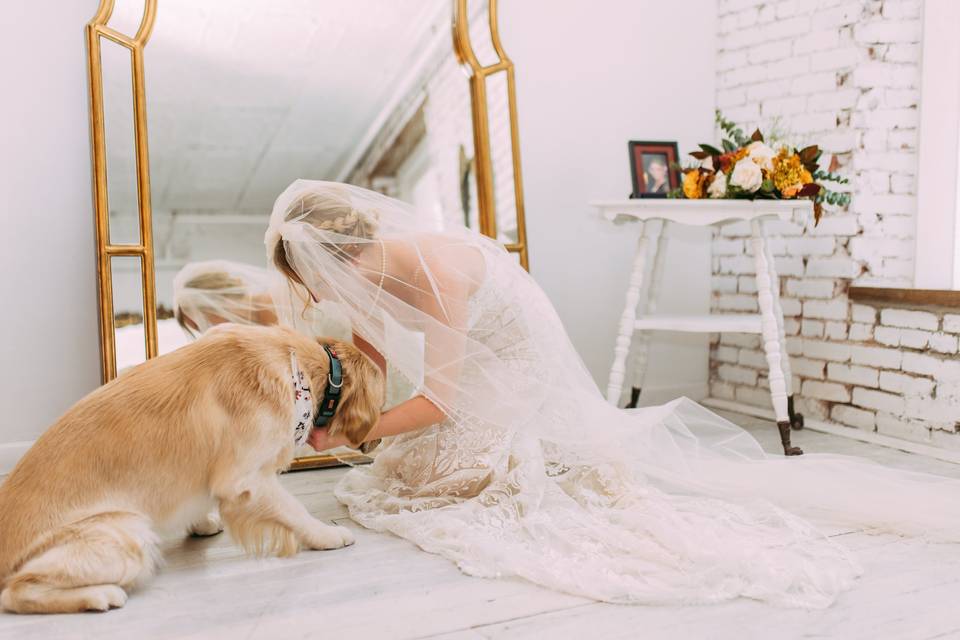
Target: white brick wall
{"x":844,"y":74}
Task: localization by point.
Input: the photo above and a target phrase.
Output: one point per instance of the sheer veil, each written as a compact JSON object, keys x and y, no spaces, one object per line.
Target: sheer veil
{"x":661,"y":504}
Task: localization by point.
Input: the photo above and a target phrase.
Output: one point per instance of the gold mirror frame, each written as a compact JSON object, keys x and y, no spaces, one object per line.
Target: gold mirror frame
{"x":479,"y":74}
{"x":98,"y":28}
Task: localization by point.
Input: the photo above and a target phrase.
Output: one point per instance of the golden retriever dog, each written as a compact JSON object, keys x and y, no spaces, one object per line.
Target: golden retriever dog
{"x":155,"y":450}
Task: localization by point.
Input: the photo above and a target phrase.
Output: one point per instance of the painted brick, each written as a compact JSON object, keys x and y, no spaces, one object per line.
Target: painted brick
{"x":813,"y":408}
{"x":855,"y":374}
{"x":951,"y":323}
{"x":727,"y":246}
{"x":724,"y":353}
{"x":811,"y":287}
{"x":945,"y":370}
{"x":914,"y":338}
{"x":819,"y":350}
{"x":887,"y":335}
{"x":723,"y":284}
{"x":836,"y":330}
{"x":751,"y":358}
{"x":943,"y":343}
{"x":808,"y":368}
{"x":835,"y":309}
{"x":744,"y":340}
{"x":876,"y":356}
{"x":731,"y":302}
{"x":752,"y":395}
{"x":790,"y":306}
{"x":832,"y":268}
{"x":863,"y":313}
{"x":853,"y":417}
{"x":860,"y":332}
{"x":739,"y":375}
{"x":909,"y":319}
{"x":879,"y":400}
{"x":722,"y":390}
{"x":825,"y":391}
{"x":905,"y":384}
{"x":811,"y":328}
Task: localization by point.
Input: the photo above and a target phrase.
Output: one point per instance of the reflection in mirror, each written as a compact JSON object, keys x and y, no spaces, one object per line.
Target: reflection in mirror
{"x":128,"y":311}
{"x":501,"y":158}
{"x":480,"y":34}
{"x":244,"y":97}
{"x":118,"y":125}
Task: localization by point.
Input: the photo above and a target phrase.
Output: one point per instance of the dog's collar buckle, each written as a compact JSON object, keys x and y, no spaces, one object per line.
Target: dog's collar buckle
{"x":331,"y":395}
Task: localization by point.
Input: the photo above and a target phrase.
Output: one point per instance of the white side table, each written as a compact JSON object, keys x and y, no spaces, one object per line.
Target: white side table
{"x":640,"y":315}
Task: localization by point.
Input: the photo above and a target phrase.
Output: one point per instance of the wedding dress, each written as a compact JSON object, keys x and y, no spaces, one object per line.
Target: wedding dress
{"x":533,"y":473}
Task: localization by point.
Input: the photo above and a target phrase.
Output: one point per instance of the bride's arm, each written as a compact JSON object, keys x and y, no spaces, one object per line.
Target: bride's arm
{"x":445,"y":345}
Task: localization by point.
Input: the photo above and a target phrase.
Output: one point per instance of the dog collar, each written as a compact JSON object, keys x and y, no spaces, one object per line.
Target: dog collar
{"x":331,"y":395}
{"x":303,"y":397}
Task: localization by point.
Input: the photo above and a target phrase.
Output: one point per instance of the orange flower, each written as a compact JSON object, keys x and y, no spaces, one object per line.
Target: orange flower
{"x":789,"y":174}
{"x":691,"y":184}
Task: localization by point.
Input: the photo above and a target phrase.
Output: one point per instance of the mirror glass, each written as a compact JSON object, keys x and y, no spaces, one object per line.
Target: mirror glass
{"x":127,"y":311}
{"x":501,"y":157}
{"x":243,"y":97}
{"x":118,"y":131}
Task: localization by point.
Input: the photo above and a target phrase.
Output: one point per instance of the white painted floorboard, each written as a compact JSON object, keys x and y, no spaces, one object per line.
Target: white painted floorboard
{"x":384,"y":587}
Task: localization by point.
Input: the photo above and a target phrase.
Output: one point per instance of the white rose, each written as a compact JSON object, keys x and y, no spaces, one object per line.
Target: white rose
{"x":746,"y":175}
{"x":718,"y":188}
{"x":761,"y":154}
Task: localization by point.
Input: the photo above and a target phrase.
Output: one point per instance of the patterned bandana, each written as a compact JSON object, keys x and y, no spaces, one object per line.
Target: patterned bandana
{"x":302,"y":403}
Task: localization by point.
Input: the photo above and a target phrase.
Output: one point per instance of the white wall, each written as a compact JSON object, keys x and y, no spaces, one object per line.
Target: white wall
{"x":590,"y":77}
{"x":48,"y":324}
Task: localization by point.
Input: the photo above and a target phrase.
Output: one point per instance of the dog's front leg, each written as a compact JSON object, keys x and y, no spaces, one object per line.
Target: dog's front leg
{"x":264,"y":518}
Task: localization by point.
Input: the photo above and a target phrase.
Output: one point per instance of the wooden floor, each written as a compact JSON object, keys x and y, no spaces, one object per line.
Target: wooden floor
{"x":384,"y":587}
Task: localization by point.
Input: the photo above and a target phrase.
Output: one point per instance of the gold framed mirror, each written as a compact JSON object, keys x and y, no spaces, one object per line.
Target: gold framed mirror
{"x":240,"y":98}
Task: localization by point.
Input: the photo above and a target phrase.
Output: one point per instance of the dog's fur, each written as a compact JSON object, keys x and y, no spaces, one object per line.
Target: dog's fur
{"x":155,"y":450}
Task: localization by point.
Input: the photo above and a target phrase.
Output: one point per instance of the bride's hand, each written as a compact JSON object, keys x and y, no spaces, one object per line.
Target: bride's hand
{"x":321,"y":440}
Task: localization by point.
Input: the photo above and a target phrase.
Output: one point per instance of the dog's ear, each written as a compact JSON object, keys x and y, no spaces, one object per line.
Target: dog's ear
{"x":362,"y":395}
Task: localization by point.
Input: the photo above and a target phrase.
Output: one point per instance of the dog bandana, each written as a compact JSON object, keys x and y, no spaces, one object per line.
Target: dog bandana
{"x":302,"y":403}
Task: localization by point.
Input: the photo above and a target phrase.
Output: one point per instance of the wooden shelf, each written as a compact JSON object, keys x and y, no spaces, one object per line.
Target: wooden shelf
{"x":709,"y":323}
{"x":700,"y":212}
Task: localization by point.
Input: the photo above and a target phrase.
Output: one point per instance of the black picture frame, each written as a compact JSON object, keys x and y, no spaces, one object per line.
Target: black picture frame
{"x":645,"y":150}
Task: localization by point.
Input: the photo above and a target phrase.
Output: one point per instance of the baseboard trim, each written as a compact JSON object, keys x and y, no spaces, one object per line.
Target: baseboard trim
{"x":10,"y":453}
{"x":839,"y":430}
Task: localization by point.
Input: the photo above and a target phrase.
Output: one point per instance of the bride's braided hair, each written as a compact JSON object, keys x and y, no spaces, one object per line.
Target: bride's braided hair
{"x":330,"y":211}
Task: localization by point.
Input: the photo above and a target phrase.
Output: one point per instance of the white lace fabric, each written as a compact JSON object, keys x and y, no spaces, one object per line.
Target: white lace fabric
{"x":533,"y":474}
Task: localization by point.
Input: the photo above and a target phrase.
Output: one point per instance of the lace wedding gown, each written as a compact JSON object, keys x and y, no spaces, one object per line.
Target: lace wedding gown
{"x":534,"y":474}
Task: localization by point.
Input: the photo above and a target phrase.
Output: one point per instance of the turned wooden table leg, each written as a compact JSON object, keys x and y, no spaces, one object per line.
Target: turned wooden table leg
{"x":771,"y":336}
{"x":627,"y":321}
{"x":796,"y":419}
{"x":638,"y":368}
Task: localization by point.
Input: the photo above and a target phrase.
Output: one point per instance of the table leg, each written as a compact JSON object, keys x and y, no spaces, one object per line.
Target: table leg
{"x":628,"y":320}
{"x":771,"y":337}
{"x":658,"y":240}
{"x":796,"y":419}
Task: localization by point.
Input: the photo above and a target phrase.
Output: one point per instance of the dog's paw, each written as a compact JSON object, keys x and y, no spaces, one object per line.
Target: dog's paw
{"x":209,"y":525}
{"x":104,"y":597}
{"x":327,"y":537}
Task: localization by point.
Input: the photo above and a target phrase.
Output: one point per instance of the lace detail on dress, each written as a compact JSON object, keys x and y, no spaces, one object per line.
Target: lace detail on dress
{"x":501,"y":501}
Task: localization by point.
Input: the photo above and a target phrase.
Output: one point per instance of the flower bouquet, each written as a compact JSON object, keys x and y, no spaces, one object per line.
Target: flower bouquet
{"x":750,"y":169}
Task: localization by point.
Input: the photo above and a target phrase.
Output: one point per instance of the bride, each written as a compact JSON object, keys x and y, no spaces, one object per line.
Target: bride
{"x":508,"y":461}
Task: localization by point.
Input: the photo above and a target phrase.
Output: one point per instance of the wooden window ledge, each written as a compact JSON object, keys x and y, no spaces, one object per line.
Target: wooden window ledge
{"x":888,"y":296}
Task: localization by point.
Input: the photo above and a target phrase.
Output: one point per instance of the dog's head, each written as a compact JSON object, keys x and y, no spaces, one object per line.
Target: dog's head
{"x":362,"y":395}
